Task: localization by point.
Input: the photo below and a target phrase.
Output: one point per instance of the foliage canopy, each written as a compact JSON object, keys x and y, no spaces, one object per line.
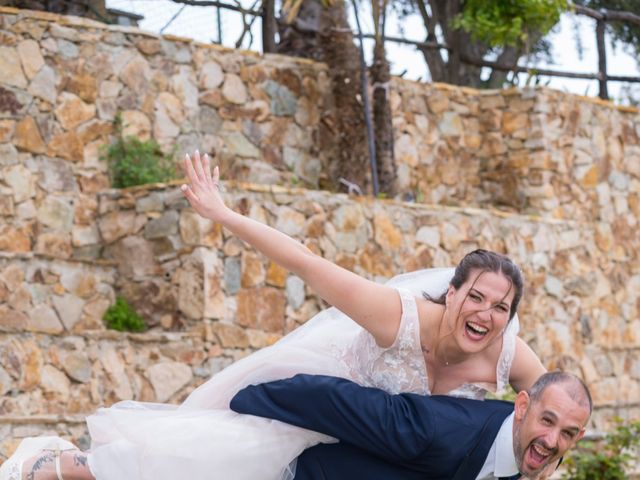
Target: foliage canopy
{"x":501,"y":23}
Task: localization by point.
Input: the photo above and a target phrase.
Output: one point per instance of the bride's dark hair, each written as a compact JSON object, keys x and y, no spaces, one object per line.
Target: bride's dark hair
{"x":485,"y":261}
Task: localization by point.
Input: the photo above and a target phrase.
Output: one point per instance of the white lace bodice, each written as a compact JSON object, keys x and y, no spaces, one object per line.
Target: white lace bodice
{"x":401,"y":367}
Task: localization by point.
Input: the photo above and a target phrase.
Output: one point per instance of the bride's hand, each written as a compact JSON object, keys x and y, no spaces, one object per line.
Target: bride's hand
{"x":203,"y":190}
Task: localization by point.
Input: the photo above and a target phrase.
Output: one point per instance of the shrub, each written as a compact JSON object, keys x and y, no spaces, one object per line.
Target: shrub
{"x":509,"y":394}
{"x":122,"y":317}
{"x":609,"y":459}
{"x":136,"y":162}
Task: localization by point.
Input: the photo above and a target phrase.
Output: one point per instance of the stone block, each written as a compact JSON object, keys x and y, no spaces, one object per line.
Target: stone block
{"x":15,"y":239}
{"x":28,"y":137}
{"x":30,"y":56}
{"x":230,"y":336}
{"x":10,"y":68}
{"x":234,"y":89}
{"x":115,"y":225}
{"x":385,"y":233}
{"x":7,"y":129}
{"x":168,"y":378}
{"x":69,"y":308}
{"x":163,"y":226}
{"x":72,"y":111}
{"x":43,"y":319}
{"x":262,"y":309}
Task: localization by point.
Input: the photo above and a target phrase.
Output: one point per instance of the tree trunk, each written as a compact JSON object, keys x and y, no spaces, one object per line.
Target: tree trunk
{"x":323,"y":33}
{"x":268,"y":26}
{"x":343,"y":58}
{"x":439,"y":14}
{"x":432,"y":56}
{"x":509,"y":56}
{"x":381,"y":79}
{"x":301,"y":37}
{"x":453,"y":40}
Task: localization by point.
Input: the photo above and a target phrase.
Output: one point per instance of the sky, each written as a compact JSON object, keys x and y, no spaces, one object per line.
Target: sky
{"x":200,"y":23}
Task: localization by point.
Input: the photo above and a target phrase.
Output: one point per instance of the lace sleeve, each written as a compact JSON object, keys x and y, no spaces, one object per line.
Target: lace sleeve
{"x":398,"y":368}
{"x":508,"y":353}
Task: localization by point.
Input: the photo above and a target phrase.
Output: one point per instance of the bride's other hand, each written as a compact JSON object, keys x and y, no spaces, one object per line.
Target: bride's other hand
{"x":203,"y":189}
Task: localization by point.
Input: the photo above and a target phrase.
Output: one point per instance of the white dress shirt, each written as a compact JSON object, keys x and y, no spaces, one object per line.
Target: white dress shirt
{"x":501,"y":461}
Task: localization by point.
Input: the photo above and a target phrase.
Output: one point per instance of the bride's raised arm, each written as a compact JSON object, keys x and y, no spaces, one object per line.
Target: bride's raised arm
{"x":375,"y":307}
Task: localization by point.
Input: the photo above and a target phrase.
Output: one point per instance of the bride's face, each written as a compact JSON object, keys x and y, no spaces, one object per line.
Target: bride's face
{"x":479,"y":310}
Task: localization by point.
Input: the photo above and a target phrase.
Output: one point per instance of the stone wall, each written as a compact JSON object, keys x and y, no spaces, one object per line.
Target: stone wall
{"x":548,"y":178}
{"x":532,"y":150}
{"x":210,"y":299}
{"x":63,"y":80}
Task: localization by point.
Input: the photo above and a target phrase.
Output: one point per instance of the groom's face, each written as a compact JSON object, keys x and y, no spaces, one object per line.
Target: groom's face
{"x":545,"y":429}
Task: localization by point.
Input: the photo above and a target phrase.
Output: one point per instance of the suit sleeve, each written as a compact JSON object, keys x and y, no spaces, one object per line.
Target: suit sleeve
{"x":394,"y":427}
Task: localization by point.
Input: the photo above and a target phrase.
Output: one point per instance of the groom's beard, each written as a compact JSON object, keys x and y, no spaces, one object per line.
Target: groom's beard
{"x":520,"y":451}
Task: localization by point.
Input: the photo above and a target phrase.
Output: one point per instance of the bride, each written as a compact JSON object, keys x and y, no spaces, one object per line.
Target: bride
{"x":437,"y":331}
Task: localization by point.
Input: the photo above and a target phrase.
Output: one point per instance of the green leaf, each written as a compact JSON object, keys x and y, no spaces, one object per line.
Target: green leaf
{"x":122,"y":317}
{"x":509,"y":22}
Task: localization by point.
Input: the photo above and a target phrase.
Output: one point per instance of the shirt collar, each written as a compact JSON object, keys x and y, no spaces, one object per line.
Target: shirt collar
{"x":505,"y":460}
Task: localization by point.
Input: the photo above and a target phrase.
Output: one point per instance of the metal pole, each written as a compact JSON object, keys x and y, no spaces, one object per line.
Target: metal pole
{"x":602,"y":59}
{"x":219,"y":20}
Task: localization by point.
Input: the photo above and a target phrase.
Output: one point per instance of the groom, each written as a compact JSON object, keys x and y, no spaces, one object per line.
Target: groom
{"x":409,"y":436}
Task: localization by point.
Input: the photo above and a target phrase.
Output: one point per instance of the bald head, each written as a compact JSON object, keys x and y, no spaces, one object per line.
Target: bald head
{"x":568,"y":382}
{"x":549,"y":419}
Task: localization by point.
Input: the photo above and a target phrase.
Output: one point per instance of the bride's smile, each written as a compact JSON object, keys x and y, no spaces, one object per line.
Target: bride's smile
{"x":478,"y":311}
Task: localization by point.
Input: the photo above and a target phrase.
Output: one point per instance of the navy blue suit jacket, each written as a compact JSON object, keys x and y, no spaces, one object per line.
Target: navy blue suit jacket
{"x":382,"y":436}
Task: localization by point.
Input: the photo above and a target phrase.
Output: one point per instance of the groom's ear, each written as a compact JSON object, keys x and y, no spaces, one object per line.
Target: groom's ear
{"x":521,"y":405}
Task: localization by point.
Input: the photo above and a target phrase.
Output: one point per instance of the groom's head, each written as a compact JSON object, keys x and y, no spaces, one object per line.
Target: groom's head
{"x":549,"y":419}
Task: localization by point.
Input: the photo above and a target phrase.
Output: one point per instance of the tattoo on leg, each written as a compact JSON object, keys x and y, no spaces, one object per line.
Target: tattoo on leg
{"x":39,"y":463}
{"x":80,"y":460}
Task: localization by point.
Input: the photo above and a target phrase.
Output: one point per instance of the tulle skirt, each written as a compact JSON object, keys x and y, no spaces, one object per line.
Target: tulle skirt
{"x":202,"y":439}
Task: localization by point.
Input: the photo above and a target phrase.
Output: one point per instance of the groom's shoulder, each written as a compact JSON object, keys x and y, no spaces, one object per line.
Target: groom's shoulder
{"x":465,"y":407}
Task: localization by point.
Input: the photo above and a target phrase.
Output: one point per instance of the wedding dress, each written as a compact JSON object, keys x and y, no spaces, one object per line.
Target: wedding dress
{"x":203,"y":439}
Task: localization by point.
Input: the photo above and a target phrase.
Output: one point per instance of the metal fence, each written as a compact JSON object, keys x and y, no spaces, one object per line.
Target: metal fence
{"x":238,"y":24}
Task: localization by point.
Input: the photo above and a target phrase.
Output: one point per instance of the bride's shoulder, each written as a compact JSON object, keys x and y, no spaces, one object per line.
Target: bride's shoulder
{"x":526,"y":367}
{"x":429,"y":313}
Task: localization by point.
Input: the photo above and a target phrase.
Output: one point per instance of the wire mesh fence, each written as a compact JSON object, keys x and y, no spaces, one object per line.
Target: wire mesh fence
{"x":205,"y":24}
{"x":210,"y":24}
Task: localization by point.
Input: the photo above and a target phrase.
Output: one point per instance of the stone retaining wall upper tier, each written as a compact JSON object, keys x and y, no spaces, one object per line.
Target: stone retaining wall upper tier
{"x":63,"y":80}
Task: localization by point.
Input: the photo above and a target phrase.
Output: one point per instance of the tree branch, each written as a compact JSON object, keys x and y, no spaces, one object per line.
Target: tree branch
{"x":213,"y":3}
{"x":607,"y":15}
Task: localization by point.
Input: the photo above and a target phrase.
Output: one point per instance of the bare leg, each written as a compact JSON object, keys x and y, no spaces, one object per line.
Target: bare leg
{"x":73,"y":466}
